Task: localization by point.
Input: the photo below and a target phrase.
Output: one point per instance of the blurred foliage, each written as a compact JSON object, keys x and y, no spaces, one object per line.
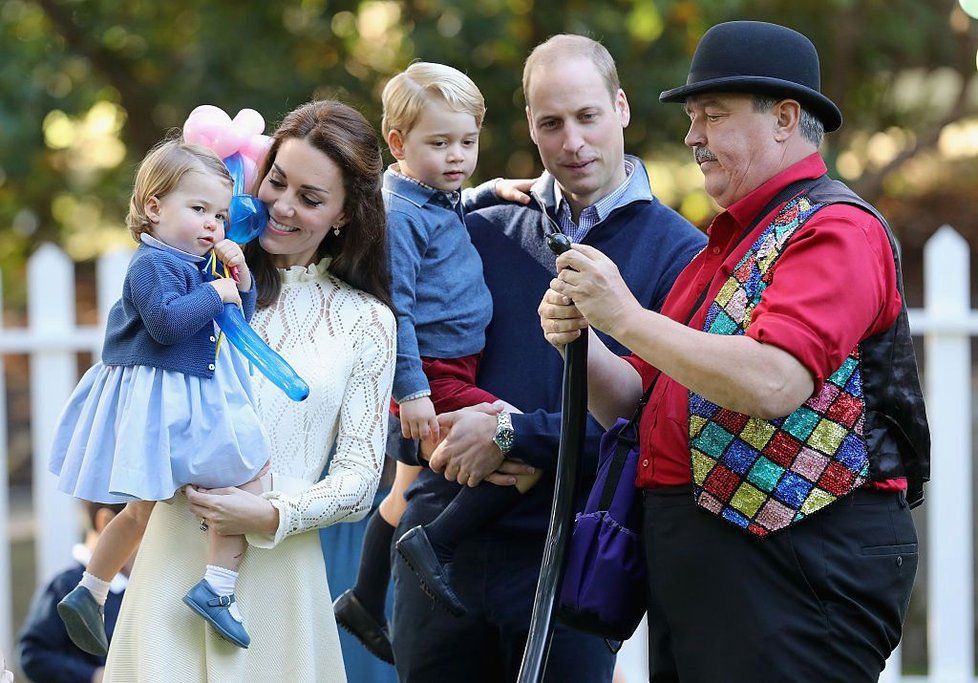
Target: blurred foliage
{"x":87,"y":86}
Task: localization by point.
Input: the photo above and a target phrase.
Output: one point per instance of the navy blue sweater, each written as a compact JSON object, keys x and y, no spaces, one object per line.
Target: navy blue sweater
{"x":649,"y":242}
{"x":165,"y":316}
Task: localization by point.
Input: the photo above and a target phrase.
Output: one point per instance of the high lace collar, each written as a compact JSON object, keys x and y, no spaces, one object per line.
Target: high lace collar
{"x":310,"y":273}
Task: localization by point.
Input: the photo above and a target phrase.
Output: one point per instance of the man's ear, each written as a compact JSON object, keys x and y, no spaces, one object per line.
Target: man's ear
{"x":622,"y":108}
{"x":395,"y":141}
{"x":529,"y":122}
{"x":787,"y":119}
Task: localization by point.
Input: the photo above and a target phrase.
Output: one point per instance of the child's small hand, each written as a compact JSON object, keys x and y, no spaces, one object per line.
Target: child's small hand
{"x":514,"y":190}
{"x":502,"y":406}
{"x":227,"y":289}
{"x":418,"y":419}
{"x":230,"y":253}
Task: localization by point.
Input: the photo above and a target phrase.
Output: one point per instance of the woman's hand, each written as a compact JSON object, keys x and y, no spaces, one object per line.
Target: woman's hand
{"x":507,"y":474}
{"x":231,"y":511}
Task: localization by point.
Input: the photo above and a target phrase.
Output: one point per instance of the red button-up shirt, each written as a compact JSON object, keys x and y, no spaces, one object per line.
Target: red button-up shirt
{"x":833,"y":286}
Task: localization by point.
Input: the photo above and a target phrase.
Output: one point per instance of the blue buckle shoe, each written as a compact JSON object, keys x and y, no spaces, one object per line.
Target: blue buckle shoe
{"x":214,"y":609}
{"x":416,"y":550}
{"x":84,"y":620}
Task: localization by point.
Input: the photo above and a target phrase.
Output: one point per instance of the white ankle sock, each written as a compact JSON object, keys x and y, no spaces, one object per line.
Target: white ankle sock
{"x":222,"y":582}
{"x":96,"y":586}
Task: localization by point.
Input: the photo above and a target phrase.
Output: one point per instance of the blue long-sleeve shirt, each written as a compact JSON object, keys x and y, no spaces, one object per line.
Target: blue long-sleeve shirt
{"x":649,"y":242}
{"x":441,"y":299}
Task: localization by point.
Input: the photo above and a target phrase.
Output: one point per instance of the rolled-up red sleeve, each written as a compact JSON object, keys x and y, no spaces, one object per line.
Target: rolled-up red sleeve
{"x":834,"y":285}
{"x":645,"y":370}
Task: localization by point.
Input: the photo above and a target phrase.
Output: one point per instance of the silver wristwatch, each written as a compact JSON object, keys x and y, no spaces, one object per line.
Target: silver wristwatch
{"x":504,"y":436}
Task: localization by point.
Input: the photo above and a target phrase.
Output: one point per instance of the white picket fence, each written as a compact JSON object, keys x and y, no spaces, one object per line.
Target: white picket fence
{"x":946,"y":322}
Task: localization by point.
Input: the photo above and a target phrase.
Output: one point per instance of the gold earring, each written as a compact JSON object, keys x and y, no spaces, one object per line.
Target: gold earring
{"x":336,"y":230}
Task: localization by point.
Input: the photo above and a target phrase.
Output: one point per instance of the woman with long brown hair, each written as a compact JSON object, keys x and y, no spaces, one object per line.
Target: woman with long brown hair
{"x":321,"y":271}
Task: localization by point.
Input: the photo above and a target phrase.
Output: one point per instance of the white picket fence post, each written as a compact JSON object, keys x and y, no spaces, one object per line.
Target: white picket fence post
{"x":51,"y":318}
{"x":949,"y":510}
{"x":51,"y":307}
{"x":110,"y":274}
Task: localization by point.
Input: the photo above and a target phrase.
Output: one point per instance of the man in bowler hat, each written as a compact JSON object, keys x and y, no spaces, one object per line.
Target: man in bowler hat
{"x":785,"y":439}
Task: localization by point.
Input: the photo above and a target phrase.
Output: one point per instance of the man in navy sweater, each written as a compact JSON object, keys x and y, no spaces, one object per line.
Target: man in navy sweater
{"x":595,"y":194}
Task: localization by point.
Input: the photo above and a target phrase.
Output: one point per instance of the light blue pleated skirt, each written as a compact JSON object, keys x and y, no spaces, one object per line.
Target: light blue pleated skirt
{"x":141,"y":432}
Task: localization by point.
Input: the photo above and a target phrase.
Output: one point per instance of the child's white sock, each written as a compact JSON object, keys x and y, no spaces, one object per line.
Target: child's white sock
{"x":222,"y":581}
{"x":96,"y":586}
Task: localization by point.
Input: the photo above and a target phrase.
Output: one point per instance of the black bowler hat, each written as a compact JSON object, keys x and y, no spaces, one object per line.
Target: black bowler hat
{"x":758,"y":58}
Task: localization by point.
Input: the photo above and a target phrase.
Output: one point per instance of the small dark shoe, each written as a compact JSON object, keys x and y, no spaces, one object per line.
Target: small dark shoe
{"x":354,"y":617}
{"x":416,"y":550}
{"x":84,"y":621}
{"x":214,"y":609}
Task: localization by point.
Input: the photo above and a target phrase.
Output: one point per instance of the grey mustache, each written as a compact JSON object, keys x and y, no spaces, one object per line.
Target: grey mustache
{"x":701,"y":154}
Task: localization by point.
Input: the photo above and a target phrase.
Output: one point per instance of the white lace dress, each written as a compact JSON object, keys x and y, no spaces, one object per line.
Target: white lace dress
{"x":342,"y":342}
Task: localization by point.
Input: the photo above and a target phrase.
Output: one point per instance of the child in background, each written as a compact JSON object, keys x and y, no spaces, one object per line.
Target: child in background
{"x":44,"y":650}
{"x":432,"y":118}
{"x":169,"y":404}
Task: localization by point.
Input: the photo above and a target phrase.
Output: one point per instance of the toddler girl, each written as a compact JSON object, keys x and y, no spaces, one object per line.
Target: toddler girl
{"x":169,"y":404}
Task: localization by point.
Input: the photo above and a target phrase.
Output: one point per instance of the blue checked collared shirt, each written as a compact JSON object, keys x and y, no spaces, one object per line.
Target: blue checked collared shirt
{"x":452,"y":198}
{"x":600,"y":210}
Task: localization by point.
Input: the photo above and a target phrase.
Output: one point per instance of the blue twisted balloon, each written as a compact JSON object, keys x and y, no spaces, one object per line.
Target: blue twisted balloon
{"x":273,"y":366}
{"x":248,"y":213}
{"x":251,"y":346}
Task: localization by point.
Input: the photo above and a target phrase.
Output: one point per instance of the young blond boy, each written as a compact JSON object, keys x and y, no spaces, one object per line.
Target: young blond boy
{"x":432,"y":118}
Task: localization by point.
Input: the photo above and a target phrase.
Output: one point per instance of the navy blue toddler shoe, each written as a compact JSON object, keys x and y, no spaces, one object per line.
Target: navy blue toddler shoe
{"x":373,"y":634}
{"x":416,"y":550}
{"x":214,"y":609}
{"x":84,"y":621}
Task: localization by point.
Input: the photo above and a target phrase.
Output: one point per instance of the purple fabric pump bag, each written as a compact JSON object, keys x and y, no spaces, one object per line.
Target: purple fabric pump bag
{"x":604,"y":588}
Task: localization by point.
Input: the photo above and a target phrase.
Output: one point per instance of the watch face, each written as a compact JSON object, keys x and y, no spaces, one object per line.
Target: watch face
{"x":504,"y":439}
{"x":505,"y":435}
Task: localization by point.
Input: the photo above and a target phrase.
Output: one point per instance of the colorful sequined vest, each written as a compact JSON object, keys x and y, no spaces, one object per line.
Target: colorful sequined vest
{"x":763,"y":475}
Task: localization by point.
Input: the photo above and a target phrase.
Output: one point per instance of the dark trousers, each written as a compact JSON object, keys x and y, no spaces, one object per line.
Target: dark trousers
{"x":496,"y":580}
{"x":823,"y":600}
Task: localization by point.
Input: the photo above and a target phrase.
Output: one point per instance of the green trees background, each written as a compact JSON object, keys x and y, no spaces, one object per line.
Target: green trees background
{"x":86,"y":86}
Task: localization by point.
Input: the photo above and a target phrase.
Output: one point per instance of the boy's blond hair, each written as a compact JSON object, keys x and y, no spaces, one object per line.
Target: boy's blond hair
{"x":406,"y":94}
{"x":159,"y":173}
